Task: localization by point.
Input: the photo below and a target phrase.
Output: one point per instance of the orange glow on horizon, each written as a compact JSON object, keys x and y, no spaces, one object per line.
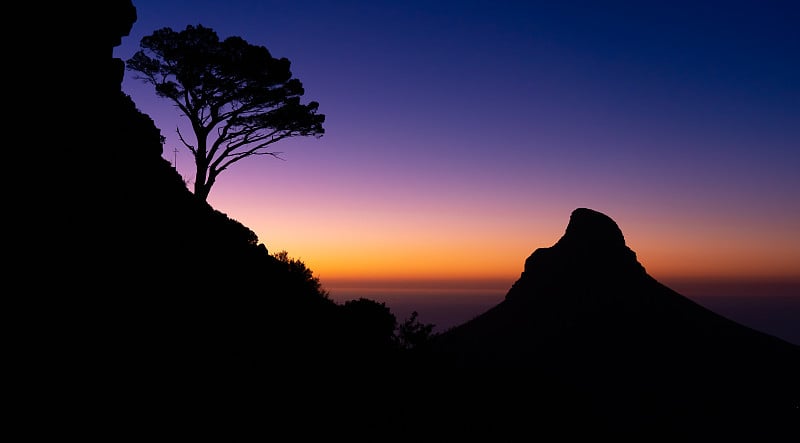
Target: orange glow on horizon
{"x":407,"y":240}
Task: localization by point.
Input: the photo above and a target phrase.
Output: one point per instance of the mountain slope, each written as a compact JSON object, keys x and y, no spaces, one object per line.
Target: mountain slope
{"x":586,"y":313}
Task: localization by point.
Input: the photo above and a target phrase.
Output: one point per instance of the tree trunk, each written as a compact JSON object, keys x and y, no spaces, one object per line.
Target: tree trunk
{"x":201,"y":187}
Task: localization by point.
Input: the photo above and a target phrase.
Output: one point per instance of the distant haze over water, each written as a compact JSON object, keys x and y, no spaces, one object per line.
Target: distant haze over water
{"x":770,"y":307}
{"x":777,"y":315}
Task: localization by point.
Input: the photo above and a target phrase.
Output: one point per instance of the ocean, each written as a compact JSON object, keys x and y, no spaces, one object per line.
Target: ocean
{"x":777,"y":315}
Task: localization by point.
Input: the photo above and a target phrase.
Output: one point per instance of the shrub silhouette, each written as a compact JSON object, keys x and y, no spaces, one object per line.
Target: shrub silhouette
{"x":412,"y":334}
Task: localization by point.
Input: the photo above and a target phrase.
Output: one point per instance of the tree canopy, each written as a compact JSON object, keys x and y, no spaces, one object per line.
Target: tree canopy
{"x":238,"y":98}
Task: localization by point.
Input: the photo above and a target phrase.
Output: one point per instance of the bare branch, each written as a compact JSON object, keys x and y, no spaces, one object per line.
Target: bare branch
{"x":180,"y":137}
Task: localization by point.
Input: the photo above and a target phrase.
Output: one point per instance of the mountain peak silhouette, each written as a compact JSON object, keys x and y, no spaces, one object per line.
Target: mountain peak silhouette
{"x":590,"y":256}
{"x":588,"y":228}
{"x":586,"y":313}
{"x":591,"y":283}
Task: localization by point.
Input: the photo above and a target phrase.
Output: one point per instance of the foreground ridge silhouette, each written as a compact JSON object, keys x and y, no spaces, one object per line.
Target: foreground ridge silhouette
{"x":586,"y":313}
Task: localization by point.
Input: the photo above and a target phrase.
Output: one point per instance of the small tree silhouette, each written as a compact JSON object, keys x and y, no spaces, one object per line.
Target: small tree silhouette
{"x":412,"y":334}
{"x":370,"y":324}
{"x":301,"y":277}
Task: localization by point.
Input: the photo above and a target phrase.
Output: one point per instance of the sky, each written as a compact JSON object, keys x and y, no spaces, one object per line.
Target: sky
{"x":459,"y":136}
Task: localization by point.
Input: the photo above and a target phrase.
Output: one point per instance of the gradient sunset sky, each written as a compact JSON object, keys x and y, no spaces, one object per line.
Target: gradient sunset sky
{"x":461,"y":135}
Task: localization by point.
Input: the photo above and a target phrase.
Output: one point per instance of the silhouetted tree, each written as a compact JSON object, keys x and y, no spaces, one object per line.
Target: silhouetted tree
{"x":412,"y":334}
{"x":238,"y":98}
{"x":300,"y":278}
{"x":370,"y":324}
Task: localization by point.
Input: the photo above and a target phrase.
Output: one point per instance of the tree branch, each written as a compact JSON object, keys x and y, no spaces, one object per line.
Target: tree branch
{"x":180,"y":137}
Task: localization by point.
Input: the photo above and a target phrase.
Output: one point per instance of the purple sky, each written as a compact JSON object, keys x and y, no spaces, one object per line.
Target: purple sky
{"x":460,"y":135}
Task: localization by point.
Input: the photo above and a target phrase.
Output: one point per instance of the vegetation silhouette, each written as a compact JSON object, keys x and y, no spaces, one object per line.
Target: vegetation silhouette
{"x":197,"y":325}
{"x":238,"y":98}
